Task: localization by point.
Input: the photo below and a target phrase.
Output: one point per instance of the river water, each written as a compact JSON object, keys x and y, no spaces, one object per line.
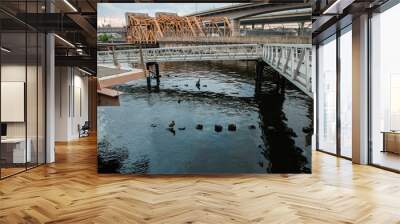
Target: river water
{"x":272,"y":131}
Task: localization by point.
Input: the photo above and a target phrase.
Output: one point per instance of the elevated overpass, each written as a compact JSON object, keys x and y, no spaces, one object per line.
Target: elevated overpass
{"x":119,"y":30}
{"x":195,"y":28}
{"x":296,"y":15}
{"x":239,"y":12}
{"x":245,"y":10}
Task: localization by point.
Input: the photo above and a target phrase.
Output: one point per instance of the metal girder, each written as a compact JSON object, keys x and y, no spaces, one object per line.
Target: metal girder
{"x":79,"y":61}
{"x":51,"y":22}
{"x":142,"y":28}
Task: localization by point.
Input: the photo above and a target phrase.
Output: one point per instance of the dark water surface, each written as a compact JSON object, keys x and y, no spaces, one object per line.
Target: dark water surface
{"x":270,"y":131}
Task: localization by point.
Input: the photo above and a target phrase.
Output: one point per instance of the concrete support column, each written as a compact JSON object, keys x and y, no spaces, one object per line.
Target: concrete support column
{"x":235,"y":27}
{"x":64,"y":101}
{"x":259,"y":76}
{"x":50,"y":98}
{"x":360,"y":90}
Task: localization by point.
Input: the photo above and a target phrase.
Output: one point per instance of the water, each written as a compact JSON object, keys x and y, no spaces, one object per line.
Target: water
{"x":269,"y":137}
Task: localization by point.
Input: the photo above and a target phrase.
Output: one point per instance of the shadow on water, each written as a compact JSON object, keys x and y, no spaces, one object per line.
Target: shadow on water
{"x":273,"y":132}
{"x":116,"y":160}
{"x":280,"y":146}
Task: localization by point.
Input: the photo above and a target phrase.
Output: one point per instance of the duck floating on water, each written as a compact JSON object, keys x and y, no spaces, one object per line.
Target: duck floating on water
{"x":171,"y":127}
{"x":172,"y":130}
{"x":198,"y":84}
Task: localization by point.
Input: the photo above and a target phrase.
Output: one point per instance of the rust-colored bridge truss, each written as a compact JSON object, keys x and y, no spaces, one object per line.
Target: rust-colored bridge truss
{"x":142,"y":28}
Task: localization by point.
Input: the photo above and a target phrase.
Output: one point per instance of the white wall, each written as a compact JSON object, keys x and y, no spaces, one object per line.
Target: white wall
{"x":17,"y":73}
{"x":70,"y":83}
{"x":33,"y":126}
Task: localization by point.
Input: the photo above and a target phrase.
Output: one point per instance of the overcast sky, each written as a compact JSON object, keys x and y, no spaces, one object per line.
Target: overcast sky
{"x":114,"y":13}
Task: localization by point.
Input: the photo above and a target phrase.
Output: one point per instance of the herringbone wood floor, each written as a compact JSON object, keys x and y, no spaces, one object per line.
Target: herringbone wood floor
{"x":70,"y":191}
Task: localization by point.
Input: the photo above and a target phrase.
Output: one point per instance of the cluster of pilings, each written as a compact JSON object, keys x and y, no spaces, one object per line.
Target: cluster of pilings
{"x":262,"y":71}
{"x":154,"y":72}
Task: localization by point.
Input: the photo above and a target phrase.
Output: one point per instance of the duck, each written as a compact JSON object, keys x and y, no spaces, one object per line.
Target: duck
{"x":172,"y":124}
{"x":172,"y":130}
{"x":198,"y":84}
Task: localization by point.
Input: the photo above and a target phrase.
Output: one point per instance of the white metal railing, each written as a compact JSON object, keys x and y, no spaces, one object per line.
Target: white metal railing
{"x":186,"y":53}
{"x":293,"y":61}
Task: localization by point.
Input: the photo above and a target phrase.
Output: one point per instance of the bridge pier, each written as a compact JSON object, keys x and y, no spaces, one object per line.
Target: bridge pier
{"x":154,"y":69}
{"x":157,"y":75}
{"x":148,"y":77}
{"x":273,"y":76}
{"x":259,"y":76}
{"x":235,"y":27}
{"x":281,"y":84}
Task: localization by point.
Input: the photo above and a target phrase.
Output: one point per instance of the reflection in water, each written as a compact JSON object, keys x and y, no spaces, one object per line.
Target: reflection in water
{"x":280,"y":147}
{"x":269,"y":135}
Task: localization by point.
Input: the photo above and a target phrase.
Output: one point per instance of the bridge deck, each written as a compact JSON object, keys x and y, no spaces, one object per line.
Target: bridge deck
{"x":293,"y":61}
{"x":239,"y":40}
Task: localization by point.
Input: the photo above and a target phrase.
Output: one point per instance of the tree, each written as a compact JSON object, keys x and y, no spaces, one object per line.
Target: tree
{"x":104,"y":37}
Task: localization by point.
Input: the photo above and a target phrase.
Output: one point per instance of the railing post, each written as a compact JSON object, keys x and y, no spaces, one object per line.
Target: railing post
{"x":288,"y":55}
{"x":296,"y":72}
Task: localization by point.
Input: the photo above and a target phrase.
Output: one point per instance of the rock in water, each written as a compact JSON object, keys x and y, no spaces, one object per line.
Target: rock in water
{"x":186,"y":85}
{"x":204,"y":85}
{"x":291,"y":132}
{"x":218,"y":128}
{"x":307,"y":129}
{"x":231,"y":127}
{"x":153,"y":125}
{"x":199,"y":127}
{"x":179,"y":101}
{"x":181,"y":129}
{"x":252,"y":127}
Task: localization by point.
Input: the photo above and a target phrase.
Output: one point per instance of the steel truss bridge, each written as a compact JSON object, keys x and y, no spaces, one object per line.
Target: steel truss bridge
{"x":293,"y":61}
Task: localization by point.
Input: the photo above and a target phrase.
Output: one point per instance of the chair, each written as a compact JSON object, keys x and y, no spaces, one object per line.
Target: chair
{"x":84,"y":130}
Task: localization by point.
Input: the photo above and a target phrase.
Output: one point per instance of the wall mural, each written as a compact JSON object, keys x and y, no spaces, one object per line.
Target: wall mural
{"x":186,"y":91}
